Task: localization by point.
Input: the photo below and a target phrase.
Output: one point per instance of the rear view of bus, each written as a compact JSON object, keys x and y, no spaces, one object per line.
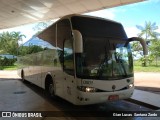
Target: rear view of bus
{"x":82,"y":59}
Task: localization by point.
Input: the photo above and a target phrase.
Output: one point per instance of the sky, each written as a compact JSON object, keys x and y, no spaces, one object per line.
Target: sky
{"x":132,"y":15}
{"x":129,"y":15}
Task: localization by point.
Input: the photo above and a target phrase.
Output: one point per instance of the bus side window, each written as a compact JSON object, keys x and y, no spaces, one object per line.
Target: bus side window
{"x":68,"y":57}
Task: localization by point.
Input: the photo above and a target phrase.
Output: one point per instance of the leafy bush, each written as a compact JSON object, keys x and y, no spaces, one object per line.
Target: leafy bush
{"x":143,"y":60}
{"x":6,"y":62}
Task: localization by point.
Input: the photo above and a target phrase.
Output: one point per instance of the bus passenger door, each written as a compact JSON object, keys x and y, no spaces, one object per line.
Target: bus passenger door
{"x":65,"y":43}
{"x":68,"y":68}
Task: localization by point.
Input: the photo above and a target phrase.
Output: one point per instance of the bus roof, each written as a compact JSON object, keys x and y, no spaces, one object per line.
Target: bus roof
{"x":78,"y":15}
{"x":87,"y":16}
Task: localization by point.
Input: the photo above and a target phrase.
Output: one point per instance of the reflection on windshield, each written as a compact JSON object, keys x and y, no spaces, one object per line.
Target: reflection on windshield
{"x":104,"y":59}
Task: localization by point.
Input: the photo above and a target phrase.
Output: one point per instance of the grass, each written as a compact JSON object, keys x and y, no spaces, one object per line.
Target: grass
{"x":146,"y":69}
{"x":150,"y":68}
{"x":14,"y":67}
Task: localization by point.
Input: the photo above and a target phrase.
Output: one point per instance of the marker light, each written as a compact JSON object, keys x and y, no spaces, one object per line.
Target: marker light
{"x":86,"y":89}
{"x":130,"y":86}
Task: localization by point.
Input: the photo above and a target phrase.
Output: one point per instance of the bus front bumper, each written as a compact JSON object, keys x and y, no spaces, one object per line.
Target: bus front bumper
{"x":86,"y":98}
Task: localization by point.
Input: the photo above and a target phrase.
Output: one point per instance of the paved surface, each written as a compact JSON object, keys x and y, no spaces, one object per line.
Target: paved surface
{"x":147,"y":97}
{"x":17,"y":96}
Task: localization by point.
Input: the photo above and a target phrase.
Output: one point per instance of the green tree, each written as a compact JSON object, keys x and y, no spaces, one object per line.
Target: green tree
{"x":9,"y":42}
{"x":155,"y":50}
{"x":137,"y":48}
{"x":148,"y":33}
{"x":41,"y":26}
{"x":24,"y":50}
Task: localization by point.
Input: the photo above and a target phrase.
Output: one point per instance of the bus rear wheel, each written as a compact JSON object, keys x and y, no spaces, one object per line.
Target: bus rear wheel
{"x":49,"y":88}
{"x":22,"y":76}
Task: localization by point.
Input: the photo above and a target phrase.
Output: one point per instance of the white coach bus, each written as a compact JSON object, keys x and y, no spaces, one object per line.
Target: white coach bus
{"x":82,"y":59}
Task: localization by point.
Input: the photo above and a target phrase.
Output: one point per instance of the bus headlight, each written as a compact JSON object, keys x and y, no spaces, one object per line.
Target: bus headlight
{"x":130,"y":85}
{"x":86,"y":89}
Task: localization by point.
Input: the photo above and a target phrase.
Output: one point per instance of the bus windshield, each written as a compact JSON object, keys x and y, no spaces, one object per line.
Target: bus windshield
{"x":105,"y":55}
{"x":104,"y":58}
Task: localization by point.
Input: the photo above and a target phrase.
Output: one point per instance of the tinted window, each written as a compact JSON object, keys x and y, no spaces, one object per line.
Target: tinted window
{"x":34,"y":45}
{"x":68,"y":57}
{"x":49,"y":35}
{"x":98,"y":27}
{"x":63,"y":32}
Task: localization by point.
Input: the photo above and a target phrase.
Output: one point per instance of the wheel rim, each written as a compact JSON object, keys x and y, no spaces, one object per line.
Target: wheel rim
{"x":51,"y":89}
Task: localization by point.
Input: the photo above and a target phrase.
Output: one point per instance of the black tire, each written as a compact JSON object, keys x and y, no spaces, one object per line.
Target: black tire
{"x":49,"y":88}
{"x":22,"y":76}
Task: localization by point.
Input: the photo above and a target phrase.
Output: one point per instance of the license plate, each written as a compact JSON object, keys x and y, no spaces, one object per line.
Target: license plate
{"x":113,"y":97}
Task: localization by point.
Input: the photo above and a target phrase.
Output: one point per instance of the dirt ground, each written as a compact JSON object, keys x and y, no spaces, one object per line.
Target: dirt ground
{"x":147,"y":81}
{"x":9,"y":74}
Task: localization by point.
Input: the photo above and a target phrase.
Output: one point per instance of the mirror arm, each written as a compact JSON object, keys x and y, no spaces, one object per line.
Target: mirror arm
{"x":142,"y":41}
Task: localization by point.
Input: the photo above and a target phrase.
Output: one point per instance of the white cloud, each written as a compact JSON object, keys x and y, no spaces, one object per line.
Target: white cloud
{"x":26,"y":30}
{"x":143,"y":3}
{"x":109,"y":14}
{"x":151,"y":1}
{"x":158,"y":30}
{"x":132,"y":31}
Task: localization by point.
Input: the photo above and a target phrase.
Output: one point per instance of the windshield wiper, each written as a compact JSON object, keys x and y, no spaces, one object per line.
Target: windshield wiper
{"x":118,"y":60}
{"x":101,"y":68}
{"x":104,"y":62}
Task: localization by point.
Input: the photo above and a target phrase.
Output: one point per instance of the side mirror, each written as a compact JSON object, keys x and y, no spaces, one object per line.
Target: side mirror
{"x":143,"y":43}
{"x":78,"y":42}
